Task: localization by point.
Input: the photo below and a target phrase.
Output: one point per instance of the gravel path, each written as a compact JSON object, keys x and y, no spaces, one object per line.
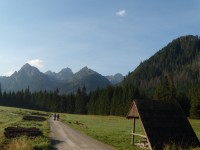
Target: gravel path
{"x":66,"y":138}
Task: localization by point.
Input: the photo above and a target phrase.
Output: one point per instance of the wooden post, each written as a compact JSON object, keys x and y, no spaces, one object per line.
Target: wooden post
{"x":133,"y":131}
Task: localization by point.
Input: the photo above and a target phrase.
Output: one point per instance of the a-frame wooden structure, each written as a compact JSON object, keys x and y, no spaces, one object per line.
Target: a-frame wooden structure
{"x":164,"y":123}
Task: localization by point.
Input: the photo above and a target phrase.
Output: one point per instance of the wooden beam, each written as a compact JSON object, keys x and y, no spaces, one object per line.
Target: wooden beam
{"x":139,"y":135}
{"x":133,"y":137}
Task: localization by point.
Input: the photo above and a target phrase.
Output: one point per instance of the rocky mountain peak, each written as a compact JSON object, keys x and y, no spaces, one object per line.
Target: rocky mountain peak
{"x":65,"y":74}
{"x":49,"y":72}
{"x":29,"y":70}
{"x":86,"y":70}
{"x":65,"y":80}
{"x":114,"y":79}
{"x":66,"y":71}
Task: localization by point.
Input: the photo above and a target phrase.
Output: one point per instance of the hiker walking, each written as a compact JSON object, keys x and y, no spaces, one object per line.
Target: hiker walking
{"x":54,"y":116}
{"x":57,"y":116}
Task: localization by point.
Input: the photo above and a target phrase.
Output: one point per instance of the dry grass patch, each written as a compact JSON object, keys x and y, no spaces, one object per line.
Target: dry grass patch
{"x":21,"y":143}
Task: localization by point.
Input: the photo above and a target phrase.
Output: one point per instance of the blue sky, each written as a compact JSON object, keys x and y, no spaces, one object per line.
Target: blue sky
{"x":108,"y":36}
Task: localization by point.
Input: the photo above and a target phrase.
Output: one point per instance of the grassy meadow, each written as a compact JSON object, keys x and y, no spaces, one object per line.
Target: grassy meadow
{"x":13,"y":117}
{"x":112,"y":130}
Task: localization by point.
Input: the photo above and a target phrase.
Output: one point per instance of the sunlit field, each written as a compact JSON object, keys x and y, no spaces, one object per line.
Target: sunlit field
{"x":113,"y":130}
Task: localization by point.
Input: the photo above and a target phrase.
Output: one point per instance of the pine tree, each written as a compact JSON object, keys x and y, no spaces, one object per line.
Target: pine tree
{"x":81,"y":101}
{"x":166,"y":90}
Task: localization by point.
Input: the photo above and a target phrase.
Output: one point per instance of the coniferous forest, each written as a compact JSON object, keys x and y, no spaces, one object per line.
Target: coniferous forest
{"x":172,"y":74}
{"x":109,"y":101}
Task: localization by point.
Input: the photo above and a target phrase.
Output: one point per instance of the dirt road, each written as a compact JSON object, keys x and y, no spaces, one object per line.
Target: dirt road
{"x":66,"y":138}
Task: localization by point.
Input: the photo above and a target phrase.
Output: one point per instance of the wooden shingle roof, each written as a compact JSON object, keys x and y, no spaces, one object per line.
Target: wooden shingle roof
{"x":164,"y":123}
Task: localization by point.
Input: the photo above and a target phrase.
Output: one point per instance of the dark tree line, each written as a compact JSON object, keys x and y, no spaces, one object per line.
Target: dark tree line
{"x":108,"y":101}
{"x":43,"y":100}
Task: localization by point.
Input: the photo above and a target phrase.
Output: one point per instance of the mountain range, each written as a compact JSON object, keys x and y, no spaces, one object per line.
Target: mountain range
{"x":65,"y":81}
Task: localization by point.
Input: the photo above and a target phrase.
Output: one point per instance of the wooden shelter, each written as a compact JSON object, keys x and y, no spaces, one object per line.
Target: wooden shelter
{"x":164,"y":123}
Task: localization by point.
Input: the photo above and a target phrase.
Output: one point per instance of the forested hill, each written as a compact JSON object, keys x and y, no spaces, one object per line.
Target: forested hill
{"x":179,"y":60}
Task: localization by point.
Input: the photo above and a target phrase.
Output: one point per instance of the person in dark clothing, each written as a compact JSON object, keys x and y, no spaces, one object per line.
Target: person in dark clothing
{"x":54,"y":116}
{"x":57,"y":116}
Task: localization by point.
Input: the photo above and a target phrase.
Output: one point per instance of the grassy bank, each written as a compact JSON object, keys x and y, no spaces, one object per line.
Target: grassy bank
{"x":112,"y":130}
{"x":13,"y":117}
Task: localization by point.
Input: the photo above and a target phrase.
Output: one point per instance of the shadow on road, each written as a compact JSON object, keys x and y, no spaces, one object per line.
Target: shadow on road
{"x":55,"y":142}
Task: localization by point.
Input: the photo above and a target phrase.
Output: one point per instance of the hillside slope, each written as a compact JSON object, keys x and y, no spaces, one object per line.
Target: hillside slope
{"x":179,"y":59}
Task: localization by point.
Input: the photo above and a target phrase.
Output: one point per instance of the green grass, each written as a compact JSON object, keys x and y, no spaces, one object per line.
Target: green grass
{"x":13,"y":117}
{"x":112,"y":130}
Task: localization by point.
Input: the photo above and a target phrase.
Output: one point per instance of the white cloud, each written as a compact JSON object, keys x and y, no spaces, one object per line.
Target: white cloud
{"x":36,"y":63}
{"x":121,"y":13}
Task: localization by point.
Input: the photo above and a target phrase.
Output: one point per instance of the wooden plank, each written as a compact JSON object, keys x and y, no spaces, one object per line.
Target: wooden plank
{"x":139,"y":135}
